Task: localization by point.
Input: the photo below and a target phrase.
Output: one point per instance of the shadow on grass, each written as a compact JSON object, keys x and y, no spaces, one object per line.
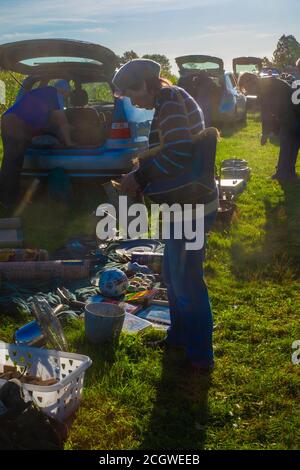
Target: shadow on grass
{"x":229,"y":130}
{"x":278,"y":258}
{"x":180,"y":413}
{"x":292,"y":228}
{"x":49,"y":223}
{"x":82,"y":194}
{"x":103,"y":357}
{"x":255,"y":115}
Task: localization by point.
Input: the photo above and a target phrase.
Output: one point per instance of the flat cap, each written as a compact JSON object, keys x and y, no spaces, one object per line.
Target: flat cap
{"x":134,"y":72}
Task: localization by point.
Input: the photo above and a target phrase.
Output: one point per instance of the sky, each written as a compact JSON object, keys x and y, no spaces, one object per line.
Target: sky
{"x":223,"y":28}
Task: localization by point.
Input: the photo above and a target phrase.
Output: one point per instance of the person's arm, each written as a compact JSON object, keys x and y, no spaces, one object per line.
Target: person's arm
{"x":62,"y":126}
{"x":25,"y":88}
{"x":57,"y":118}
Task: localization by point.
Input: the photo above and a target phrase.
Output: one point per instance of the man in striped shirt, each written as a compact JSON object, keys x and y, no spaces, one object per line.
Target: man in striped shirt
{"x":177,"y":119}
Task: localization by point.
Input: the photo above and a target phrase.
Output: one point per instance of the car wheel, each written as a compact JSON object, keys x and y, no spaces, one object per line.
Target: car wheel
{"x":236,"y":115}
{"x":242,"y":117}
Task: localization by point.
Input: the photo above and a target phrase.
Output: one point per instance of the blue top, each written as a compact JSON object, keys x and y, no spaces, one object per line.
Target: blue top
{"x":35,"y":107}
{"x":23,"y":89}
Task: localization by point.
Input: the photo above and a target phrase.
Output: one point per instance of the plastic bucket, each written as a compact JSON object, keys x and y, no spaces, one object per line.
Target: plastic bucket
{"x":103,"y":321}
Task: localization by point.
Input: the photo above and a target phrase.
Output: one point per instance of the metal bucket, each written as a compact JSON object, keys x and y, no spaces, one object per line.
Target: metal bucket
{"x":235,"y":168}
{"x":225,"y":211}
{"x":103,"y":321}
{"x":235,"y":162}
{"x":236,"y":173}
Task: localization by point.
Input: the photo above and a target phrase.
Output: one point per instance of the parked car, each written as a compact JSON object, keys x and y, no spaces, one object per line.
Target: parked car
{"x":247,"y":71}
{"x":226,"y":103}
{"x":241,"y":65}
{"x":292,"y":71}
{"x":269,"y":72}
{"x":123,"y":129}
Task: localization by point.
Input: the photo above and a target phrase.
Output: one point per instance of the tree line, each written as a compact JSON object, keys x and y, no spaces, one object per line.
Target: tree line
{"x":160,"y":58}
{"x":285,"y":55}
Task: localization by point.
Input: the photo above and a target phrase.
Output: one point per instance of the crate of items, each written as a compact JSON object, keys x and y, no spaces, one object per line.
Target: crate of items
{"x":64,"y":370}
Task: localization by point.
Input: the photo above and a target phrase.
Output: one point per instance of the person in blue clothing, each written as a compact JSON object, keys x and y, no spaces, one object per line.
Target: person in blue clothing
{"x":63,"y":92}
{"x":62,"y":86}
{"x":177,"y":119}
{"x":24,"y":88}
{"x":36,"y":112}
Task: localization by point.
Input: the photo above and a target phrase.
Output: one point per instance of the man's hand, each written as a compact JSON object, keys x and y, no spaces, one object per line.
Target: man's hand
{"x":128,"y":184}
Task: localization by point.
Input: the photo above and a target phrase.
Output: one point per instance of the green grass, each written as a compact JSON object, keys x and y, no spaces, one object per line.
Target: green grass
{"x":135,"y":397}
{"x":12,"y":85}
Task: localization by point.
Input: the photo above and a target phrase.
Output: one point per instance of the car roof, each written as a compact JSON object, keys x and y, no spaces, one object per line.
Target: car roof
{"x":59,"y":58}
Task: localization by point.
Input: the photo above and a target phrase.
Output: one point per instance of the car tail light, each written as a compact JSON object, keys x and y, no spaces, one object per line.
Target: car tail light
{"x":120,"y":130}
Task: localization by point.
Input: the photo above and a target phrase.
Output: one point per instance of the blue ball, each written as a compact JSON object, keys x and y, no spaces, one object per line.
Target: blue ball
{"x":113,"y":282}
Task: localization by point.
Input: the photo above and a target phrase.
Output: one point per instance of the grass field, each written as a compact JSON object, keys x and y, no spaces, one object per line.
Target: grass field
{"x":137,"y":398}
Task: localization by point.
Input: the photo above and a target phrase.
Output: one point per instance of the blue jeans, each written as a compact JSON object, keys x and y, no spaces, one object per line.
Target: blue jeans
{"x":191,"y":316}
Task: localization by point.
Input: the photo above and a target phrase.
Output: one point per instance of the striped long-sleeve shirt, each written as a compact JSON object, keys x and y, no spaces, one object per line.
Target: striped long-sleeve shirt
{"x":177,"y":122}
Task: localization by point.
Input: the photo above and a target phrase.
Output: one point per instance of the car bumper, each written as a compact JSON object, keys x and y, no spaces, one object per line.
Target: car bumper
{"x":78,"y":162}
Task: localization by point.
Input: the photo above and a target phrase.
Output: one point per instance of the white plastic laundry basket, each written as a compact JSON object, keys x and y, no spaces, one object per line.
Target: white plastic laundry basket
{"x":59,"y":400}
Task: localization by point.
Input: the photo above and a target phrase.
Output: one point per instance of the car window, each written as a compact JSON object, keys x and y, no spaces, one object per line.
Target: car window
{"x":99,"y":92}
{"x":251,"y":68}
{"x":201,"y":66}
{"x":36,"y":61}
